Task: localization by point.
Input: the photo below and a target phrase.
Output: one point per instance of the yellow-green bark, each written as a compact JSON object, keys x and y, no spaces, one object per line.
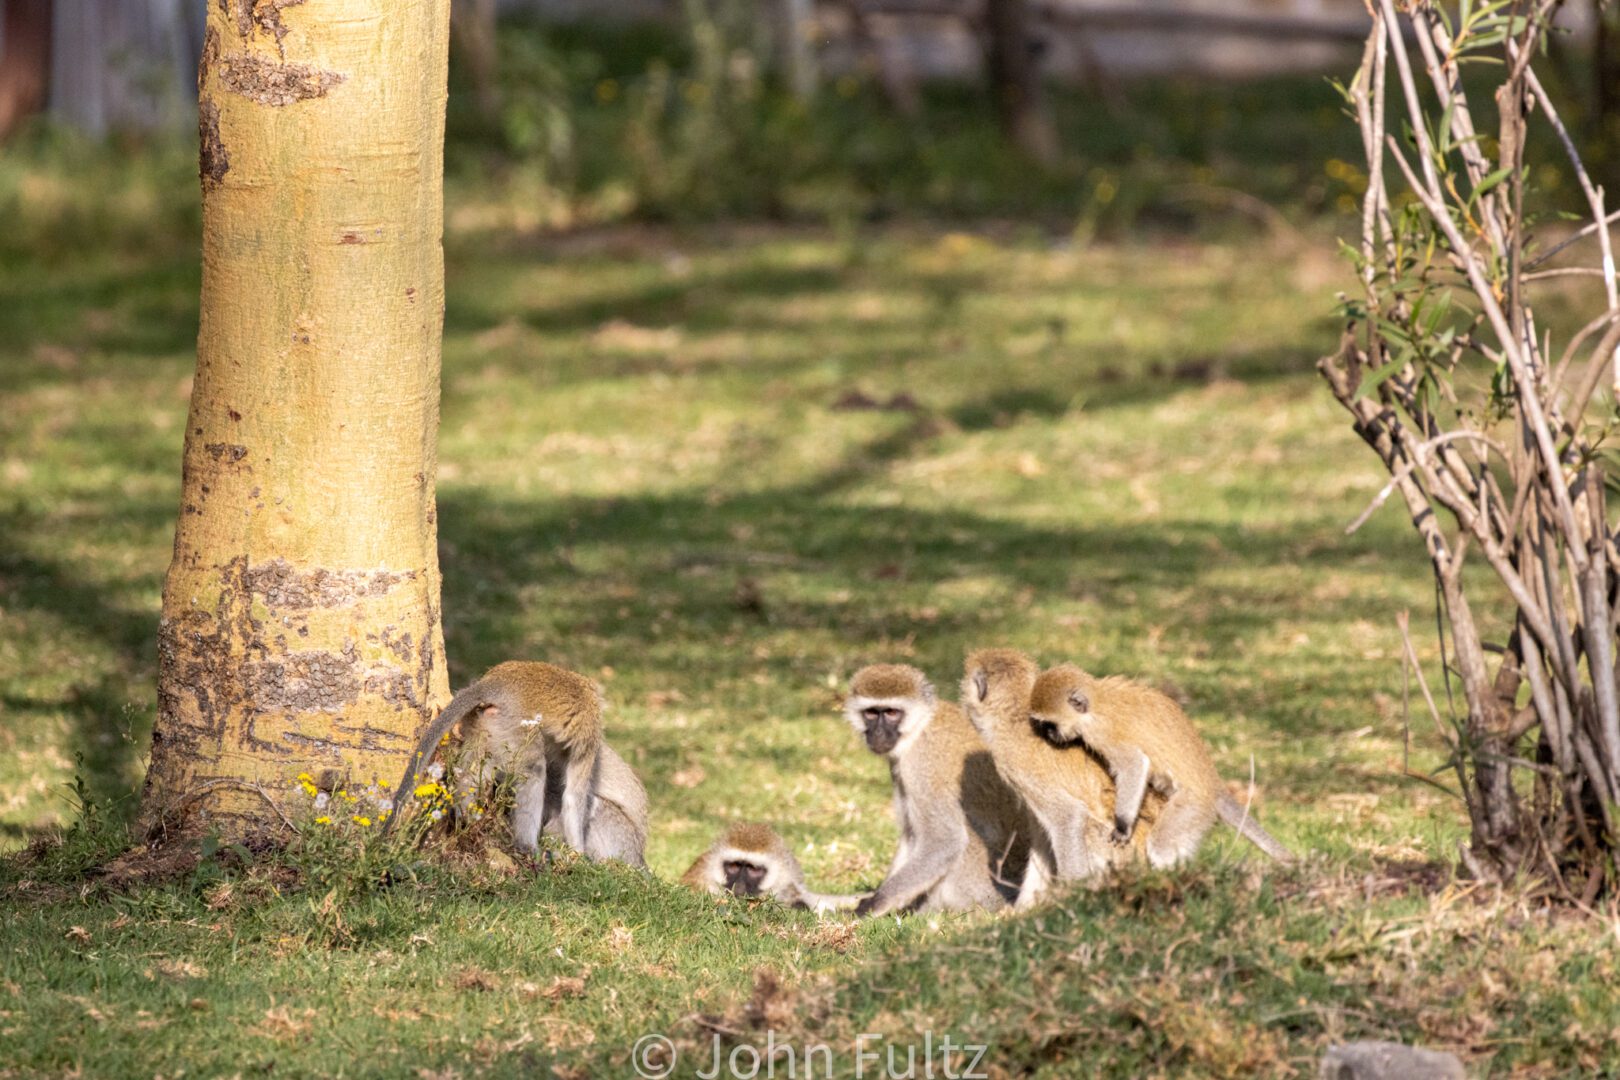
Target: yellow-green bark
{"x":300,"y":627}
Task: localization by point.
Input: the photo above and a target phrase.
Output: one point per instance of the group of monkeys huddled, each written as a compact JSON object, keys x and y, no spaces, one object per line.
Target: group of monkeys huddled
{"x":1038,"y":776}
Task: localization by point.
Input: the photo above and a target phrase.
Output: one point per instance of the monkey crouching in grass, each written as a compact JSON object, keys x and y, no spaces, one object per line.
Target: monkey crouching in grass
{"x":750,"y":859}
{"x":541,"y":726}
{"x":1148,"y":743}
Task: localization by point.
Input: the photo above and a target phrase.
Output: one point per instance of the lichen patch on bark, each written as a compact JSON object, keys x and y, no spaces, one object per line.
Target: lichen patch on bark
{"x":229,"y":453}
{"x":395,"y":687}
{"x":213,"y":162}
{"x":276,"y":84}
{"x":206,"y":61}
{"x":255,"y":16}
{"x":285,"y":588}
{"x":301,"y":682}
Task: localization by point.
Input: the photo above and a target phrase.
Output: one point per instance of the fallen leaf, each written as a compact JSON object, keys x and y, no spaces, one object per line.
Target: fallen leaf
{"x":563,"y":986}
{"x":181,"y":969}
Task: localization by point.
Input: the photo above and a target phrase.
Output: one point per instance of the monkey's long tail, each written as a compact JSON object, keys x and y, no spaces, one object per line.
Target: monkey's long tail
{"x":460,"y":705}
{"x":1236,"y":815}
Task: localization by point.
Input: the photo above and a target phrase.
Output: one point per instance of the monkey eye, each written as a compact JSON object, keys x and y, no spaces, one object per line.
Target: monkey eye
{"x":1080,"y":701}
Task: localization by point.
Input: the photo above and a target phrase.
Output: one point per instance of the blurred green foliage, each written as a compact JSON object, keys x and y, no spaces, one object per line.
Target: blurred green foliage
{"x":688,"y":123}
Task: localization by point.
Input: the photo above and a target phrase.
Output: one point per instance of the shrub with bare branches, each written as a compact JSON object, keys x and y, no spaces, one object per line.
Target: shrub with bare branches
{"x":1496,"y":437}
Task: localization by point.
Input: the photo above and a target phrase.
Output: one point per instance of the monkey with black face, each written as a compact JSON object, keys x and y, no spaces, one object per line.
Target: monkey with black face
{"x":542,"y":725}
{"x":964,"y":836}
{"x":750,"y":860}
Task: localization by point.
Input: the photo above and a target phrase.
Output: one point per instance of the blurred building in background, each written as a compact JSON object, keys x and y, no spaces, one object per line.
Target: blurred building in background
{"x":100,"y":65}
{"x":942,"y":38}
{"x":106,"y":65}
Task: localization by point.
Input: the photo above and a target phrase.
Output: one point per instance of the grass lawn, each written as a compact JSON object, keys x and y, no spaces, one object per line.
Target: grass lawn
{"x":1112,"y":453}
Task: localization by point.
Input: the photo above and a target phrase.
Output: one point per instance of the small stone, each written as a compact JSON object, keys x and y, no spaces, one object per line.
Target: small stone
{"x":1389,"y":1061}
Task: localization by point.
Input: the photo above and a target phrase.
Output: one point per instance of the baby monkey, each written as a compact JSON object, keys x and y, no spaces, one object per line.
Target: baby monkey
{"x":749,"y":860}
{"x":1146,"y":741}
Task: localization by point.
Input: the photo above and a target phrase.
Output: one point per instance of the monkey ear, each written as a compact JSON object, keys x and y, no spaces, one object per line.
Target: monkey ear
{"x":1080,"y":701}
{"x":981,"y":684}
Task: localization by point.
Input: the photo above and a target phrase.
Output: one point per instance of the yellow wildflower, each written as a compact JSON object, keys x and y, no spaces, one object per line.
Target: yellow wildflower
{"x":309,"y":788}
{"x":361,"y":821}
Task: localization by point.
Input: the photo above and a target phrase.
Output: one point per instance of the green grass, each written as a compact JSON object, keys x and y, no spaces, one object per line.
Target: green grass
{"x":1120,"y":455}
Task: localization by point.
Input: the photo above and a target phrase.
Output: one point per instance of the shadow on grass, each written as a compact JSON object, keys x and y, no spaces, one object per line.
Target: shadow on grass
{"x":140,"y":308}
{"x":675,"y":565}
{"x":108,"y":730}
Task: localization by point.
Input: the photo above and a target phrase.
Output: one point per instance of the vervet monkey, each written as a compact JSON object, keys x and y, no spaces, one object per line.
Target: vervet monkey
{"x":964,"y":836}
{"x":1067,"y":792}
{"x":1147,"y":742}
{"x":749,"y":859}
{"x":540,"y":724}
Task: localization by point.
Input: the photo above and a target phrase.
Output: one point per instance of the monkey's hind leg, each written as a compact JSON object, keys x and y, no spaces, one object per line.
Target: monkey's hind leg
{"x":1181,"y":828}
{"x":529,"y":810}
{"x":613,"y":836}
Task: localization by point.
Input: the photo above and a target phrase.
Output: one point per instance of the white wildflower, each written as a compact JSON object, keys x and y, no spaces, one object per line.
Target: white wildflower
{"x":321,"y":800}
{"x":436,"y":771}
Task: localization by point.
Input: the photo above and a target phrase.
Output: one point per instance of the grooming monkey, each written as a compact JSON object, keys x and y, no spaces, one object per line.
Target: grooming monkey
{"x":1067,"y":793}
{"x":964,"y":836}
{"x":542,"y":725}
{"x":749,"y":859}
{"x":1147,"y":742}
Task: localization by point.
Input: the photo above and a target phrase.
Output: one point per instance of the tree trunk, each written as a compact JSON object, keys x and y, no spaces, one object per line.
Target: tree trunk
{"x":300,"y":629}
{"x":25,"y":60}
{"x":1015,"y":81}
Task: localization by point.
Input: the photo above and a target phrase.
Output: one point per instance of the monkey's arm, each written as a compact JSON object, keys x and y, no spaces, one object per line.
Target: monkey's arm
{"x":460,"y":705}
{"x":1037,"y":876}
{"x":932,"y":859}
{"x":1131,"y":768}
{"x":529,"y":808}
